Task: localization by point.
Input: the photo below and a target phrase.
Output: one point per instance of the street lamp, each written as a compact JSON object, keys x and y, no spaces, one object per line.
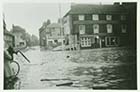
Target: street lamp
{"x":97,"y":37}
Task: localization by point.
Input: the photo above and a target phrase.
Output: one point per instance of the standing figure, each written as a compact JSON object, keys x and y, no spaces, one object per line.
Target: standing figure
{"x":9,"y":75}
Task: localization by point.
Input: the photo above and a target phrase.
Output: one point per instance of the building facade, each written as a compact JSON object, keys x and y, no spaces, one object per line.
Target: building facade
{"x":54,"y":35}
{"x":19,"y":34}
{"x":97,"y":26}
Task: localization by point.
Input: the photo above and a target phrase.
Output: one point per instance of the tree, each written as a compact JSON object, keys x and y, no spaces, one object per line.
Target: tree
{"x":34,"y":40}
{"x":28,"y":39}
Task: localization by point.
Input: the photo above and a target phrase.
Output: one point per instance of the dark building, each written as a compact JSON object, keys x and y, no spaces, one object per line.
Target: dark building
{"x":97,"y":26}
{"x":8,"y":37}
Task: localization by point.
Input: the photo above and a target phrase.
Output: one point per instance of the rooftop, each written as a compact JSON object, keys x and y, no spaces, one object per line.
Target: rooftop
{"x":93,"y":8}
{"x":58,"y":25}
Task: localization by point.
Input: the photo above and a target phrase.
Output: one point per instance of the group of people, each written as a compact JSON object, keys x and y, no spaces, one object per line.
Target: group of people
{"x":9,"y":76}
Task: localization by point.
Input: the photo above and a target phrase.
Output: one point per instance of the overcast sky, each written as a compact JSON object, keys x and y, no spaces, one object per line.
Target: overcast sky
{"x":31,"y":15}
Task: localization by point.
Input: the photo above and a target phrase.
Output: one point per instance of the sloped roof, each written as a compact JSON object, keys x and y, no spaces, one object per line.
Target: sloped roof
{"x":92,"y":8}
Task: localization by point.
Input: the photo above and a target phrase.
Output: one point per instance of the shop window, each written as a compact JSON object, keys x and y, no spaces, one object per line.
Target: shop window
{"x":85,"y":42}
{"x":112,"y":41}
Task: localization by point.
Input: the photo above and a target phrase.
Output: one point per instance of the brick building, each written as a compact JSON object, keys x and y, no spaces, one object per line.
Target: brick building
{"x":97,"y":26}
{"x":51,"y":35}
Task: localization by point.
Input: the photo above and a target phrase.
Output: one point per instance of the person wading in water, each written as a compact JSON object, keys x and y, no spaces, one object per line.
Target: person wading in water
{"x":9,"y":76}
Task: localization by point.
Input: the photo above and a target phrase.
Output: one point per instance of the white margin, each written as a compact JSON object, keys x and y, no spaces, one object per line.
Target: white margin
{"x":67,"y":1}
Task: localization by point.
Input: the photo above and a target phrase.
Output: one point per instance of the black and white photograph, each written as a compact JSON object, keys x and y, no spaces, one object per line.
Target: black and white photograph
{"x":70,"y":46}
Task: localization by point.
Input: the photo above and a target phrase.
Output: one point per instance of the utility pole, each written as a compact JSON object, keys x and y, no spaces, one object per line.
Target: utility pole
{"x":61,"y":33}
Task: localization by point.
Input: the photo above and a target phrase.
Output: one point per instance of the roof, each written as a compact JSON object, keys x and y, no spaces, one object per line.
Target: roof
{"x":92,"y":8}
{"x":54,"y":25}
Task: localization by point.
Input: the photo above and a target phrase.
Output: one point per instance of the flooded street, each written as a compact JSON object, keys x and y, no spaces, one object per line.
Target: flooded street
{"x":108,"y":68}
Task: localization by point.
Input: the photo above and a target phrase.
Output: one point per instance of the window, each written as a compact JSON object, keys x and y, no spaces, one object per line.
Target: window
{"x":108,"y":17}
{"x":85,"y":42}
{"x":95,"y":17}
{"x":96,"y":28}
{"x":109,"y":28}
{"x":56,"y":41}
{"x":123,"y":17}
{"x":82,"y":29}
{"x":124,"y":27}
{"x":50,"y":42}
{"x":81,"y":17}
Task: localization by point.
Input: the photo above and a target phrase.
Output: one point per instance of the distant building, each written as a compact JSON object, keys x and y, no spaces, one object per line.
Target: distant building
{"x":54,"y":35}
{"x":19,"y":34}
{"x":42,"y":34}
{"x":98,"y":26}
{"x":34,"y":40}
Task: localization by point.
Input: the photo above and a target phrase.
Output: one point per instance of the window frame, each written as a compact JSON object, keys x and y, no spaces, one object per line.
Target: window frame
{"x":108,"y":17}
{"x":108,"y":29}
{"x":85,"y":42}
{"x":97,"y":28}
{"x":95,"y":17}
{"x":81,"y":17}
{"x":123,"y":28}
{"x":83,"y":29}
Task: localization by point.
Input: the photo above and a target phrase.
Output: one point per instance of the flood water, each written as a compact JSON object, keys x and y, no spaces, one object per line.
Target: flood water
{"x":108,"y":68}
